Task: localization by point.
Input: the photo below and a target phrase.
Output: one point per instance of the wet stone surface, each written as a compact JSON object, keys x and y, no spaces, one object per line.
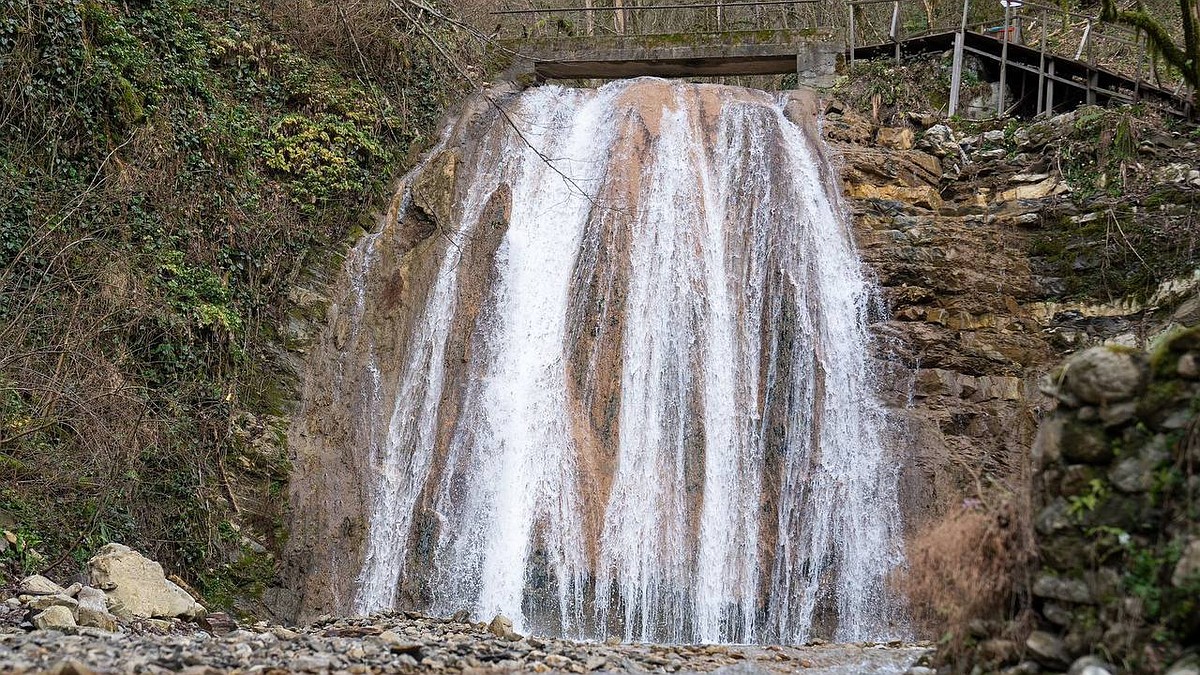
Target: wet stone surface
{"x":399,"y":643}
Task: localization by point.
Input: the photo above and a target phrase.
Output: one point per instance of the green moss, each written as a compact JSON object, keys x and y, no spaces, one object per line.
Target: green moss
{"x":1160,"y":395}
{"x":239,"y":584}
{"x":1164,"y":356}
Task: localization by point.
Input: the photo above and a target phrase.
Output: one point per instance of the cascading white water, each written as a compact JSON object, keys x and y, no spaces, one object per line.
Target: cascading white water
{"x":738,"y":487}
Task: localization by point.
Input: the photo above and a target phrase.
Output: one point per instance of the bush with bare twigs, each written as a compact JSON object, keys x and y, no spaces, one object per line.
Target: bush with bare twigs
{"x":972,"y":565}
{"x":170,"y":171}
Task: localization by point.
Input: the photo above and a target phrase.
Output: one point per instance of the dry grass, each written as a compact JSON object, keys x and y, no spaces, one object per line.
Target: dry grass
{"x":973,"y":564}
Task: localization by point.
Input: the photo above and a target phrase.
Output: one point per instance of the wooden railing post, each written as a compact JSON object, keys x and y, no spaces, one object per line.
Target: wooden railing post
{"x":851,"y":36}
{"x":894,"y":33}
{"x":1087,"y":32}
{"x":1041,"y":63}
{"x":960,"y":39}
{"x":1003,"y":62}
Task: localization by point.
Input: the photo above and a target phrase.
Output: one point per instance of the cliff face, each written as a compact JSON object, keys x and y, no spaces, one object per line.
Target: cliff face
{"x":986,"y":245}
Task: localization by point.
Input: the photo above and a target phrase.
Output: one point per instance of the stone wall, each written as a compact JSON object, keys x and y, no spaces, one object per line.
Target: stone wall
{"x":1118,"y":483}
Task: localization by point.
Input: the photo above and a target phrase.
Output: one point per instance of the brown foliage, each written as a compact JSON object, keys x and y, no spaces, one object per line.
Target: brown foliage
{"x":973,"y":564}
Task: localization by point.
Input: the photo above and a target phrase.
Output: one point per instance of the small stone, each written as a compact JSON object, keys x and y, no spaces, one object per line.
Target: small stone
{"x":1057,"y":614}
{"x":1189,"y":665}
{"x":398,"y":644}
{"x":1047,"y":649}
{"x":283,"y":633}
{"x":997,"y":652}
{"x":1023,"y":668}
{"x":1030,"y":177}
{"x":500,"y":626}
{"x":1058,"y":588}
{"x":1189,"y":366}
{"x":39,"y":585}
{"x":218,"y":623}
{"x":994,"y":136}
{"x":1188,"y":566}
{"x":557,"y":661}
{"x":39,"y":602}
{"x":55,"y":618}
{"x":1117,"y":414}
{"x":70,"y":667}
{"x":1089,"y":665}
{"x":920,"y":670}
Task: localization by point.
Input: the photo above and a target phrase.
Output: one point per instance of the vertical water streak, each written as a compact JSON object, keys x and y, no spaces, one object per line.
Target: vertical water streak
{"x":743,"y":346}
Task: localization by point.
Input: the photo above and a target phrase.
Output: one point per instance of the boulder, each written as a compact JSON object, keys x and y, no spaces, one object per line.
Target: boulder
{"x":1099,"y":375}
{"x":54,"y":618}
{"x":39,"y":585}
{"x":1085,"y":444}
{"x":139,"y":585}
{"x":93,"y":610}
{"x":1136,"y":473}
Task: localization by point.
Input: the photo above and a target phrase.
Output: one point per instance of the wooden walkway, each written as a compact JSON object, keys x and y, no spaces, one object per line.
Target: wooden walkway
{"x":1041,"y":83}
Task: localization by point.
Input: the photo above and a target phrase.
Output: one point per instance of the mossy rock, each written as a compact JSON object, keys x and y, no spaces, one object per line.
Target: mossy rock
{"x":1085,"y":444}
{"x":1165,"y":357}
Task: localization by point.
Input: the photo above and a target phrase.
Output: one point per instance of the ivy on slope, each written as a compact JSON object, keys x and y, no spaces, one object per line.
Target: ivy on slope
{"x":169,"y":169}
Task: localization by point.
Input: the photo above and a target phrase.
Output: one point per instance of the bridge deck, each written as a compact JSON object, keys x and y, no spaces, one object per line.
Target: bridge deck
{"x":714,"y":54}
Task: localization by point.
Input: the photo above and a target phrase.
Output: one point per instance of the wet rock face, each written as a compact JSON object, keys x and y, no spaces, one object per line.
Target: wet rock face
{"x":961,"y":337}
{"x":1118,"y":537}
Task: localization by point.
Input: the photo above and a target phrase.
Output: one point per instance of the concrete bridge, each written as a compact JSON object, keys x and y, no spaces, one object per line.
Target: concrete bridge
{"x":1040,"y":58}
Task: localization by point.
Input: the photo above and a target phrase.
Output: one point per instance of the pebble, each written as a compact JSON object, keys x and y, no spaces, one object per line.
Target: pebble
{"x":390,"y":642}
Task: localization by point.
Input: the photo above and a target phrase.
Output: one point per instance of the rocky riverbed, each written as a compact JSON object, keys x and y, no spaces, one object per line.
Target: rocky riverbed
{"x":398,"y":642}
{"x":125,"y":616}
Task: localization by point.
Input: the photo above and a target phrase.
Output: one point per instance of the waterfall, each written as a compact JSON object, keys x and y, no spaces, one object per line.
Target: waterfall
{"x":635,"y":395}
